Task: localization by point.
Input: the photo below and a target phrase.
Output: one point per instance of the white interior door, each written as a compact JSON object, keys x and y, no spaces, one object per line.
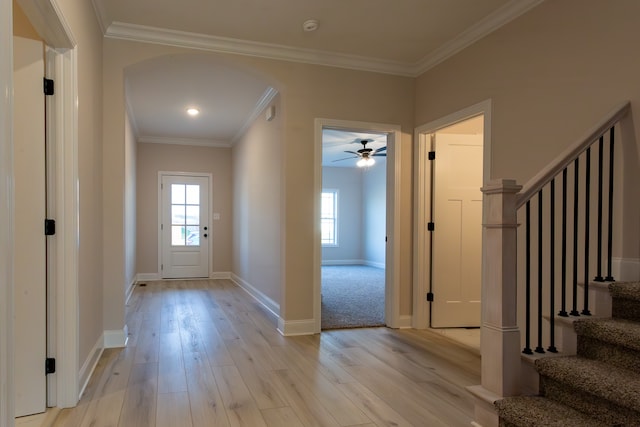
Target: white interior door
{"x":29,"y":238}
{"x":457,"y":235}
{"x":185,"y":227}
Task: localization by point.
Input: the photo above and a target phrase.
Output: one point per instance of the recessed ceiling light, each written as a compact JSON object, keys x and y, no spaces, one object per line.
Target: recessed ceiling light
{"x":310,"y":25}
{"x":192,"y":111}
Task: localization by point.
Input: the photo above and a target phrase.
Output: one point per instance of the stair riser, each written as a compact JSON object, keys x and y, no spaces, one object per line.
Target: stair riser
{"x":626,"y":309}
{"x":598,"y":408}
{"x":593,"y":348}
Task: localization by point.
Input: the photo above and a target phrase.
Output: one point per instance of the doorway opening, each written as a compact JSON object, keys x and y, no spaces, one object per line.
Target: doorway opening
{"x":353,"y":228}
{"x":357,"y":215}
{"x":452,"y":167}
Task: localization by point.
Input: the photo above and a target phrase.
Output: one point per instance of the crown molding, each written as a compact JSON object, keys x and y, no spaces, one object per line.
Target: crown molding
{"x":163,"y":36}
{"x":489,"y":24}
{"x":141,"y":33}
{"x":200,"y":142}
{"x":262,"y":103}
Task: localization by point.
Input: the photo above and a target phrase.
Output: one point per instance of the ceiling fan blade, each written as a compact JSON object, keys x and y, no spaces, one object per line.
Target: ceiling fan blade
{"x":346,"y":158}
{"x":380,"y":149}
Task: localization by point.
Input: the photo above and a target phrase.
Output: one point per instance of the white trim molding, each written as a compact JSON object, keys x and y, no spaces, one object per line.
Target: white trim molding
{"x":393,"y":202}
{"x":140,"y":33}
{"x":116,"y":338}
{"x":625,"y":269}
{"x":6,"y":215}
{"x":290,"y":328}
{"x":256,"y":294}
{"x":89,"y":365}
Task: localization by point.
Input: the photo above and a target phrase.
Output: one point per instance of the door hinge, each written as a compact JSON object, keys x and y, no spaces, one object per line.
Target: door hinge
{"x":48,"y":86}
{"x":431,"y":226}
{"x":430,"y":296}
{"x":49,"y":366}
{"x":432,"y":155}
{"x":49,"y":227}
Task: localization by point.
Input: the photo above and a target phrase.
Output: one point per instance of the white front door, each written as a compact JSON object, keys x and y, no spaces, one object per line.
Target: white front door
{"x":457,"y":235}
{"x":184,"y":230}
{"x":29,"y":240}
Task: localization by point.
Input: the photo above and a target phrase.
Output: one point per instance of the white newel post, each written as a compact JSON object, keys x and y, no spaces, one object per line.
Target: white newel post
{"x":500,"y":336}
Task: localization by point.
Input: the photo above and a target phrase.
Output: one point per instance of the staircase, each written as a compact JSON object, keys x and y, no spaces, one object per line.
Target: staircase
{"x":600,"y":386}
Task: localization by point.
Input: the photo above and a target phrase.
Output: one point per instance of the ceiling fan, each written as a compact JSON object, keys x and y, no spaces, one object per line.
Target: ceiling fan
{"x":365,"y":154}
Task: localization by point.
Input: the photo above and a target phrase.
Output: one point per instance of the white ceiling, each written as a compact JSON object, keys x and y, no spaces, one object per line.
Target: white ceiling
{"x":403,"y":37}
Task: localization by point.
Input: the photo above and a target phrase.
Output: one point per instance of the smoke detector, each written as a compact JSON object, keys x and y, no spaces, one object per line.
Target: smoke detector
{"x":310,"y":25}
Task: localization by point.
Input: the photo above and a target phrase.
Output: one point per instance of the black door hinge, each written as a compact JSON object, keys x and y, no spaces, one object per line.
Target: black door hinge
{"x":431,"y":226}
{"x":430,"y":296}
{"x":432,"y":155}
{"x":49,"y":227}
{"x":50,"y":366}
{"x":48,"y":86}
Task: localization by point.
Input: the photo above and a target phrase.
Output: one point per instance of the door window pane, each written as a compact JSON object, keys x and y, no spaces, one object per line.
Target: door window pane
{"x":193,"y":195}
{"x":177,"y":194}
{"x":193,"y":215}
{"x":177,"y":235}
{"x":185,"y":215}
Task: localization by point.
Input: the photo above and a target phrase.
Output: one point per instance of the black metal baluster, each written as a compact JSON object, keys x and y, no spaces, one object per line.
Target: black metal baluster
{"x":576,"y":169}
{"x":609,"y":277}
{"x":552,"y":265}
{"x":563,"y":308}
{"x":599,"y":277}
{"x":539,"y":348}
{"x":527,"y":331}
{"x":587,"y":192}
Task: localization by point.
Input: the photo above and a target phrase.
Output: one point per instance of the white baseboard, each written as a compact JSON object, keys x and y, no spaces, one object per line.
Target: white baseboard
{"x":353,"y":262}
{"x":374,"y":264}
{"x":130,"y":289}
{"x":296,"y":327}
{"x":405,"y":322}
{"x":343,"y":262}
{"x":625,"y":269}
{"x":89,"y":365}
{"x":220,"y":275}
{"x":116,"y":338}
{"x":264,"y":300}
{"x":143,"y":277}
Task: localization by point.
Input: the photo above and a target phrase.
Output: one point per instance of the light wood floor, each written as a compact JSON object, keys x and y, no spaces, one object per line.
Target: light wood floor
{"x":204,"y":353}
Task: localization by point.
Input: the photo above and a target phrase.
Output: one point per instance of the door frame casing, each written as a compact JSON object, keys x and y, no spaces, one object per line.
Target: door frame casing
{"x":61,"y":63}
{"x":392,"y":258}
{"x":422,"y":197}
{"x":209,"y":177}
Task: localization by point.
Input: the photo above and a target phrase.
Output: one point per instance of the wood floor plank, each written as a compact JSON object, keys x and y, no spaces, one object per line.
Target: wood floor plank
{"x":280,"y":417}
{"x":241,"y":409}
{"x":173,"y":410}
{"x":207,"y":407}
{"x":139,"y":409}
{"x":203,"y":353}
{"x":171,"y":375}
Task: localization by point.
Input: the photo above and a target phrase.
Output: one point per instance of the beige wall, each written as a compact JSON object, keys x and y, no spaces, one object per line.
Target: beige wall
{"x":84,"y":26}
{"x":551,"y":75}
{"x":130,"y":202}
{"x":257,"y":205}
{"x":153,"y":158}
{"x":307,"y":92}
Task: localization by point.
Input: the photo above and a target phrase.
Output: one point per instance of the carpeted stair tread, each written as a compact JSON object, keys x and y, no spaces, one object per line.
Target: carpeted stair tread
{"x":625,"y":290}
{"x":536,"y":411}
{"x":594,"y":377}
{"x":624,"y":333}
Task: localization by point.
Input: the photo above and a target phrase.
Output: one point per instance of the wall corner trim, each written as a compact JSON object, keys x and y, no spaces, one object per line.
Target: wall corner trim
{"x":289,"y":328}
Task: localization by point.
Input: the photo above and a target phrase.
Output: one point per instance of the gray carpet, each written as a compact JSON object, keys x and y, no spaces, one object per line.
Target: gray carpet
{"x":352,"y":296}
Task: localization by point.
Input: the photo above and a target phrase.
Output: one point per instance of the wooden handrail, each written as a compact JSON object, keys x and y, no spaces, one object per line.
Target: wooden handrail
{"x":570,"y":154}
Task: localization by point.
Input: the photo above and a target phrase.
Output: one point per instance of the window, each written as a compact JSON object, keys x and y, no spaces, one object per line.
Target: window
{"x":185,"y":215}
{"x":329,"y":218}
